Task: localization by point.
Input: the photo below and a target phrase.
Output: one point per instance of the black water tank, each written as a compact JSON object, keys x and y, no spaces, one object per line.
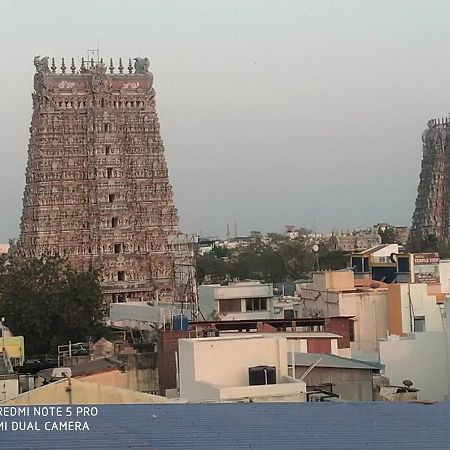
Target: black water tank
{"x":262,"y":375}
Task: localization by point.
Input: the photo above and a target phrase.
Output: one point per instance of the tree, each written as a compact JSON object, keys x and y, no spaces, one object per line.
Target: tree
{"x":49,"y":303}
{"x":211,"y":266}
{"x":388,"y":235}
{"x":298,"y":259}
{"x":333,"y":260}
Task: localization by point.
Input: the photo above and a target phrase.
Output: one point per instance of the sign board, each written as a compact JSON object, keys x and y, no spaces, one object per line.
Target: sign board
{"x":426,"y":267}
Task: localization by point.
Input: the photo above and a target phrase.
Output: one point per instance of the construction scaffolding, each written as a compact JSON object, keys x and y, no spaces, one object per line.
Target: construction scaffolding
{"x":183,"y":247}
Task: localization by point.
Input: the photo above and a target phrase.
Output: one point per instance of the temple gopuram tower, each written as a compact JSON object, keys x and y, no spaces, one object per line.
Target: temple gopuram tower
{"x":431,"y":218}
{"x":97,"y":187}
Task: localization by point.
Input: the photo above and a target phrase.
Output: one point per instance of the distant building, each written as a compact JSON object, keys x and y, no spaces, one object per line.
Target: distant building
{"x":385,"y":263}
{"x":381,"y":263}
{"x":237,"y":301}
{"x":378,"y":309}
{"x":353,"y":241}
{"x":432,"y":211}
{"x":4,"y":248}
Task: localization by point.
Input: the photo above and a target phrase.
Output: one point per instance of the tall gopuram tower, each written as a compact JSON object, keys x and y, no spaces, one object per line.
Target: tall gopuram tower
{"x":431,"y":218}
{"x":97,"y":187}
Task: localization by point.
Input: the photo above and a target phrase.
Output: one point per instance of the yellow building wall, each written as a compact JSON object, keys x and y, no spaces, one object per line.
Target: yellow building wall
{"x":114,"y":378}
{"x":82,"y":393}
{"x":15,"y":347}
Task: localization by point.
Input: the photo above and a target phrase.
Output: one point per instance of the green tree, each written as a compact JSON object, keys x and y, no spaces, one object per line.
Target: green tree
{"x":298,"y":259}
{"x":388,"y":235}
{"x":213,"y":267}
{"x":49,"y":303}
{"x":333,"y":260}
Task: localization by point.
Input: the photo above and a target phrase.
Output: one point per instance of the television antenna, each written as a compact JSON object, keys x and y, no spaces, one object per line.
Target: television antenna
{"x":93,"y":54}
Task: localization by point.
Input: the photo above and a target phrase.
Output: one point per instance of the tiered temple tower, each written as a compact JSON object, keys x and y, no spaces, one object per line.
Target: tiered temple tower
{"x":97,"y":187}
{"x":431,"y":218}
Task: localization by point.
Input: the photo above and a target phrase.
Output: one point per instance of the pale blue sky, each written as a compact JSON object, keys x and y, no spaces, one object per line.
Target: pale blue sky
{"x":272,"y":112}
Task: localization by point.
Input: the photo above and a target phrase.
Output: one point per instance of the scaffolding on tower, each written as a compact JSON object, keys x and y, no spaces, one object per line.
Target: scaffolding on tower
{"x":183,"y":247}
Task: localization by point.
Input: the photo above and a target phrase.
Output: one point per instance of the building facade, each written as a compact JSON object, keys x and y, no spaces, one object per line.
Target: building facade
{"x":242,"y":300}
{"x":97,"y":187}
{"x":217,"y":369}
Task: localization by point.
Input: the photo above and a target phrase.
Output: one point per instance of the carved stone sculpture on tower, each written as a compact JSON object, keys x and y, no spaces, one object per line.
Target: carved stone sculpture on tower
{"x":97,"y":187}
{"x":431,"y":218}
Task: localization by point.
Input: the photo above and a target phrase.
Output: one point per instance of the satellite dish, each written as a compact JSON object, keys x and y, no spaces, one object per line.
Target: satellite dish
{"x":315,"y":248}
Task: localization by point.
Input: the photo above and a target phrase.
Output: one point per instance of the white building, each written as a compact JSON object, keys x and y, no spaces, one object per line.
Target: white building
{"x":142,"y":316}
{"x":237,"y":301}
{"x":217,"y":369}
{"x":416,"y":347}
{"x":421,"y":358}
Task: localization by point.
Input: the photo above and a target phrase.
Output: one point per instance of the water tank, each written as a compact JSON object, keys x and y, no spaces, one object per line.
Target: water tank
{"x":180,"y":323}
{"x":262,"y":375}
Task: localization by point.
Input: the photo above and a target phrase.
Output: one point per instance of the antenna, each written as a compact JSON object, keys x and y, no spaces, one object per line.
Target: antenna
{"x":94,"y":54}
{"x":235,"y":229}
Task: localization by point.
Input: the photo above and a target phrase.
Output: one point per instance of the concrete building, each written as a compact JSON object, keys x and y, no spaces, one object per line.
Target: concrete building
{"x":285,"y":307}
{"x":421,"y":358}
{"x":144,"y":316}
{"x":217,"y":369}
{"x":377,"y":263}
{"x":412,"y":309}
{"x":334,"y":293}
{"x":9,"y":380}
{"x":138,"y":373}
{"x":72,"y":391}
{"x":314,"y":334}
{"x":350,"y":242}
{"x":241,"y":300}
{"x":416,"y":348}
{"x":351,"y":379}
{"x":378,"y":309}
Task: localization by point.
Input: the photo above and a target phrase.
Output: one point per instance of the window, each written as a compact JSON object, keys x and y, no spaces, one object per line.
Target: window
{"x":114,"y":222}
{"x":118,"y":248}
{"x":111,"y":198}
{"x":121,"y":275}
{"x":256,"y":304}
{"x":351,"y":331}
{"x":108,"y":149}
{"x":106,"y":127}
{"x":419,"y":324}
{"x":230,"y":305}
{"x":109,"y":172}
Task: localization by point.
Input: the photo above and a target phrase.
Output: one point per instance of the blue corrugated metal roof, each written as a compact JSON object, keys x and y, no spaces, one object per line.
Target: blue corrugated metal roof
{"x":270,"y":426}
